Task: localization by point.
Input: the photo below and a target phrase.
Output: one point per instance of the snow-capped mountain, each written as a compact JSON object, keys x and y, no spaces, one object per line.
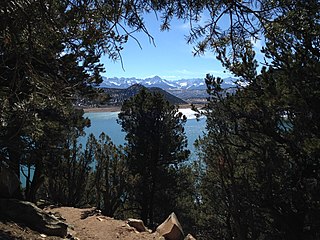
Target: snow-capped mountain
{"x":156,"y":81}
{"x":191,"y":84}
{"x":119,"y":82}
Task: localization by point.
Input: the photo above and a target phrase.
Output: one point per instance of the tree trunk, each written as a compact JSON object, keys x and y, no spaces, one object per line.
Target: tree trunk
{"x":14,"y":165}
{"x":294,"y":228}
{"x":14,"y":160}
{"x":28,"y":181}
{"x":145,"y":206}
{"x":37,"y":181}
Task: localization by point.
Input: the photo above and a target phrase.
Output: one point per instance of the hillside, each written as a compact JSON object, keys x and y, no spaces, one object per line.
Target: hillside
{"x":88,"y":223}
{"x":83,"y":224}
{"x":118,"y":96}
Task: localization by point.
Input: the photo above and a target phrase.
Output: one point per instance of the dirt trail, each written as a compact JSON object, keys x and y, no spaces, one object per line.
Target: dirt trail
{"x":86,"y":224}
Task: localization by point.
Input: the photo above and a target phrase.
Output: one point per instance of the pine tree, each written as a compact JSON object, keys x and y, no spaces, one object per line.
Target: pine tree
{"x":110,"y":176}
{"x":68,"y":173}
{"x":156,"y":148}
{"x":50,"y":55}
{"x":261,"y":148}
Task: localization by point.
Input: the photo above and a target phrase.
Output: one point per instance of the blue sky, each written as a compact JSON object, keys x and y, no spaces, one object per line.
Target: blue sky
{"x":170,"y":58}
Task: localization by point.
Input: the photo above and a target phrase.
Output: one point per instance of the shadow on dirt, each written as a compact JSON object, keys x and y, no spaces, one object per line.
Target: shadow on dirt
{"x":90,"y":213}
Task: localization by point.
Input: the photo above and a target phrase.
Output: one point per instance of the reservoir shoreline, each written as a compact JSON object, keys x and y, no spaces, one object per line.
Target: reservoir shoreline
{"x":118,"y":108}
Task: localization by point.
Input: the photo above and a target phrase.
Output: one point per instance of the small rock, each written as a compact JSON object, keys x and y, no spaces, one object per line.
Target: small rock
{"x":189,"y":237}
{"x":137,"y":224}
{"x":56,"y":215}
{"x":100,"y":219}
{"x":43,"y":235}
{"x":171,"y":229}
{"x":70,"y":237}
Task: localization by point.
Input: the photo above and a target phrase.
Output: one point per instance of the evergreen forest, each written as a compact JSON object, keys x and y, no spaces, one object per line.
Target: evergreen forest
{"x":257,"y":174}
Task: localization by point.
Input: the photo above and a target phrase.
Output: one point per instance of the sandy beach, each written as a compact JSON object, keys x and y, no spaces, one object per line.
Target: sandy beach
{"x":102,"y":109}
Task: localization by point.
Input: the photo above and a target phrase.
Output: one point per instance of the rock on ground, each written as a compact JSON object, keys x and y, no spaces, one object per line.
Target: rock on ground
{"x":83,"y":224}
{"x":29,"y":214}
{"x":137,"y":224}
{"x":10,"y":230}
{"x":171,"y":228}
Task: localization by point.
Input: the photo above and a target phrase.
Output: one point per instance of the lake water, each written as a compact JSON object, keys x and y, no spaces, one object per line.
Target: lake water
{"x":107,"y":122}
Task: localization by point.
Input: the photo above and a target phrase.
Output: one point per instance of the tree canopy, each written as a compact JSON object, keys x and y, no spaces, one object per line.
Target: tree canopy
{"x":156,"y":148}
{"x":261,"y":150}
{"x":50,"y":55}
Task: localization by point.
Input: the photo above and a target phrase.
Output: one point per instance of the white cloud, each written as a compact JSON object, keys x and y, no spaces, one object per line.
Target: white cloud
{"x":184,"y":26}
{"x":185,"y":72}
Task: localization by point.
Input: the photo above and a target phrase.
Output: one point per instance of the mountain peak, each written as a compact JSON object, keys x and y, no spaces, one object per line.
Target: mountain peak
{"x":156,"y":77}
{"x":157,"y":81}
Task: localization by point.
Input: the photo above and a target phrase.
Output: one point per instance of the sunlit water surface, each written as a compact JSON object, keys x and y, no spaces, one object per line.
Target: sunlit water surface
{"x":107,"y":122}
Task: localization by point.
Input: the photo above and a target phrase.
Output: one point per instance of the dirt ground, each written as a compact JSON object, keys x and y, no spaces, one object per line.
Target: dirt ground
{"x":86,"y":224}
{"x":83,"y":224}
{"x":10,"y":230}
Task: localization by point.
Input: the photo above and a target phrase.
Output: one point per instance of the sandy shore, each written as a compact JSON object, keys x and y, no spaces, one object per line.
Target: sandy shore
{"x":118,"y":108}
{"x":103,"y":109}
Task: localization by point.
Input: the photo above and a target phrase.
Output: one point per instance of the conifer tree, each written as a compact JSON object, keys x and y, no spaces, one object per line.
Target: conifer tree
{"x":261,"y":148}
{"x":68,"y":173}
{"x":110,"y":176}
{"x":50,"y":56}
{"x":156,"y":148}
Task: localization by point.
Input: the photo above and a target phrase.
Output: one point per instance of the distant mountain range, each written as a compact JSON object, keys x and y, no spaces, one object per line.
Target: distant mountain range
{"x":189,"y":90}
{"x":156,"y":81}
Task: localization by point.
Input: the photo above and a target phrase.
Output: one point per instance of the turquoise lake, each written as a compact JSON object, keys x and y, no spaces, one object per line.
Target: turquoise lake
{"x":107,"y":122}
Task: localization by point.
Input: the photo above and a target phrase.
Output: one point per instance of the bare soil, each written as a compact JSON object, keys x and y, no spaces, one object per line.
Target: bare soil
{"x":83,"y":224}
{"x":11,"y":230}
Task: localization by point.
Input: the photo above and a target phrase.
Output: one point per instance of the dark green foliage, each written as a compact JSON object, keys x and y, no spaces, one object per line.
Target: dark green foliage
{"x":260,"y":170}
{"x":262,"y":146}
{"x":68,"y":175}
{"x":110,"y":176}
{"x":156,"y":147}
{"x":261,"y":174}
{"x":50,"y":53}
{"x":52,"y":146}
{"x":96,"y":175}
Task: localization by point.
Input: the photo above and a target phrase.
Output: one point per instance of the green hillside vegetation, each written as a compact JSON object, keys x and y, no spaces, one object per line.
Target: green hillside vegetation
{"x":258,"y":169}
